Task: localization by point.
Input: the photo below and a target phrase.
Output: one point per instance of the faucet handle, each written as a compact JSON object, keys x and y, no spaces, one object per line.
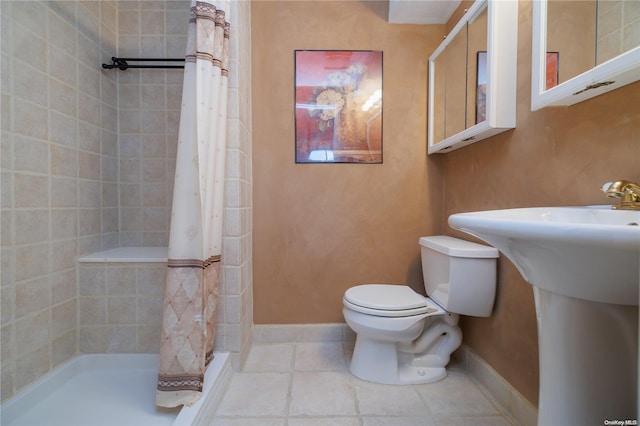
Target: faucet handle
{"x":614,"y":189}
{"x":628,"y":192}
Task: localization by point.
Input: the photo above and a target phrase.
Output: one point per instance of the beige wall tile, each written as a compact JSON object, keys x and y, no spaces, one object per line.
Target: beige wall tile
{"x":32,"y":261}
{"x":121,"y":310}
{"x":88,"y":109}
{"x":89,"y":137}
{"x":93,"y":339}
{"x":30,"y":366}
{"x":89,"y":165}
{"x":29,"y":48}
{"x":25,"y":114}
{"x":8,"y":305}
{"x":8,"y":370}
{"x":92,"y":280}
{"x":64,"y":224}
{"x":31,"y":85}
{"x":64,"y":192}
{"x":63,"y":348}
{"x":63,"y":286}
{"x":155,"y":219}
{"x":149,"y":338}
{"x":62,"y":97}
{"x":89,"y":221}
{"x":92,"y":311}
{"x":63,"y":255}
{"x":121,"y":280}
{"x":32,"y":333}
{"x":154,"y":194}
{"x":89,"y":81}
{"x":89,"y":193}
{"x":31,"y":155}
{"x":154,"y":170}
{"x":31,"y":226}
{"x":32,"y":296}
{"x":63,"y":318}
{"x":130,"y":195}
{"x":122,"y":339}
{"x":149,"y":310}
{"x":64,"y":160}
{"x":62,"y":129}
{"x":151,"y":280}
{"x":61,"y":34}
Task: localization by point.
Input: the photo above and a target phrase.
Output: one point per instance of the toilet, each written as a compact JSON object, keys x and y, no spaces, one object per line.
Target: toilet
{"x":403,"y":337}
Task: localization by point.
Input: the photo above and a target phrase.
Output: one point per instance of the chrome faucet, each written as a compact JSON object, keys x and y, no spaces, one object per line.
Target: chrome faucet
{"x":628,"y":192}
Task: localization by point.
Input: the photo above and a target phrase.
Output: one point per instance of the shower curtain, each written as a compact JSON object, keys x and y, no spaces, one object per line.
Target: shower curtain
{"x":195,"y":238}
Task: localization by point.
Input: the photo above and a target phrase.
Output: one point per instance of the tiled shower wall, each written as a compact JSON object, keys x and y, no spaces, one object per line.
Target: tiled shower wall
{"x":149,"y":116}
{"x":120,"y":307}
{"x":71,"y":184}
{"x":236,"y":303}
{"x":59,"y":173}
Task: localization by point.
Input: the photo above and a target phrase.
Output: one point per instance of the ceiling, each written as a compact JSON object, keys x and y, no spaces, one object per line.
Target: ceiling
{"x":421,"y":11}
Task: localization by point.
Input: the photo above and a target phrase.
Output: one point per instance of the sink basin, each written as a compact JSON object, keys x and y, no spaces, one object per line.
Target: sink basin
{"x":584,"y":266}
{"x":571,"y":251}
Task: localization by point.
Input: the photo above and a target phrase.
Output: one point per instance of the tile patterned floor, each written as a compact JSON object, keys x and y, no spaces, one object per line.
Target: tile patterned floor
{"x":308,"y":384}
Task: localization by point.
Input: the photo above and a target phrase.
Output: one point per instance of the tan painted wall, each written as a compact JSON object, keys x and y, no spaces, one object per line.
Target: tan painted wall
{"x":556,"y":156}
{"x":321,"y":228}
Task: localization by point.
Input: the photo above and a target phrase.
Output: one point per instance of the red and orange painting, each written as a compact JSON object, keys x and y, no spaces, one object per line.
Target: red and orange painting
{"x":553,"y":67}
{"x":338,"y":106}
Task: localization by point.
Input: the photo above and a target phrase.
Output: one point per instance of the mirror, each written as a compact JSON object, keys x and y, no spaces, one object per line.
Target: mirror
{"x":582,"y":49}
{"x":467,"y":102}
{"x":451,"y":87}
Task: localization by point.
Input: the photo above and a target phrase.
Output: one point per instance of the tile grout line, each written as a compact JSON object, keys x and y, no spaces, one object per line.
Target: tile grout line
{"x":292,"y":370}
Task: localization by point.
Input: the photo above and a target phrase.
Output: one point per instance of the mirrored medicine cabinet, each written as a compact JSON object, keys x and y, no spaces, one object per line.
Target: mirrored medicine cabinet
{"x":582,"y":49}
{"x":472,"y":77}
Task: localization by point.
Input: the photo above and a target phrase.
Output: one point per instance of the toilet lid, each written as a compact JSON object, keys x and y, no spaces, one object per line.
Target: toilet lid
{"x":385,"y":297}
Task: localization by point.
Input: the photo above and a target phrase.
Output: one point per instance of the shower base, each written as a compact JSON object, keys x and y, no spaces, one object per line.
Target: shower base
{"x":107,"y":390}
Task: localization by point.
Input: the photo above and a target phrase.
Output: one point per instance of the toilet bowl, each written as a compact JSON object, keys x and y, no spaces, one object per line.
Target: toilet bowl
{"x":403,"y":337}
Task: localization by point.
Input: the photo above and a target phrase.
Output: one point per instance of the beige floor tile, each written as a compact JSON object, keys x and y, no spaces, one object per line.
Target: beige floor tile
{"x":327,"y":356}
{"x":245,"y":421}
{"x":255,"y":395}
{"x":270,"y":358}
{"x":324,"y":421}
{"x":473,"y":421}
{"x":397,"y":421}
{"x":386,"y":400}
{"x":321,"y":394}
{"x":456,"y":395}
{"x":308,"y":384}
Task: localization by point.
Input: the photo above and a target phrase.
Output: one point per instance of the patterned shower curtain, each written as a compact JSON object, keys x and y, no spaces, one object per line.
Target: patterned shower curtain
{"x":195,"y":239}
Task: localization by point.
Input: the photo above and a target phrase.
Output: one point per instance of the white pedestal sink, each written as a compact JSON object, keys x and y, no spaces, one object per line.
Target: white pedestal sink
{"x":584,"y":265}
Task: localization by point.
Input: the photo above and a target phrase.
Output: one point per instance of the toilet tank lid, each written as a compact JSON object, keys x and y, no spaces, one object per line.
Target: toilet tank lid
{"x":456,"y":247}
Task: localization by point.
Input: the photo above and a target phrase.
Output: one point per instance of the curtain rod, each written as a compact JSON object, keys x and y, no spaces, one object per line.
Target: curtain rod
{"x":123,"y":63}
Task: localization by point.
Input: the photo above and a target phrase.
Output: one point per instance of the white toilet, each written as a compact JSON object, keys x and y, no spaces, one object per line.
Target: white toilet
{"x":403,"y":337}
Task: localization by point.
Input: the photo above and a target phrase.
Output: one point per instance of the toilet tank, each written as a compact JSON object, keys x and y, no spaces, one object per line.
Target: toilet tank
{"x":459,"y":275}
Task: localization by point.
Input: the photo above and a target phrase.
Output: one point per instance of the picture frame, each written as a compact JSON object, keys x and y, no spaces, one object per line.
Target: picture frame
{"x":338,"y":106}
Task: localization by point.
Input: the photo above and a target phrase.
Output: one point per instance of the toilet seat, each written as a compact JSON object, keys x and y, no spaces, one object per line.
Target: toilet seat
{"x":387,"y":300}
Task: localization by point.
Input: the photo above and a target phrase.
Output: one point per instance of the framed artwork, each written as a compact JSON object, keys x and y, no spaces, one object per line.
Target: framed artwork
{"x":553,"y":68}
{"x":481,"y":87}
{"x":338,"y":106}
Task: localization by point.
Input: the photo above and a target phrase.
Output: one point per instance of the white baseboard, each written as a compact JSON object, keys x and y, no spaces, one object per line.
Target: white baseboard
{"x":518,"y":407}
{"x":288,"y":333}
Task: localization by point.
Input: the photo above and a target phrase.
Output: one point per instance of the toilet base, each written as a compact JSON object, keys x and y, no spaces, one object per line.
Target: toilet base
{"x":377,"y":362}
